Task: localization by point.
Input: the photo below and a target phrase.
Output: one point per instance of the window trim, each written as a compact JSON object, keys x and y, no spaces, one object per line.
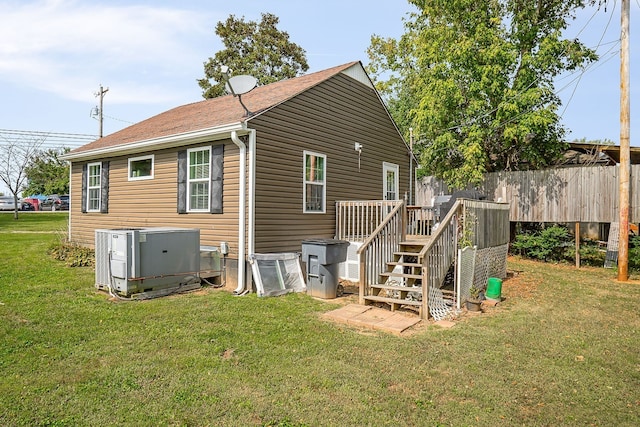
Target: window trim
{"x":94,"y":187}
{"x":305,"y":182}
{"x":396,"y":169}
{"x":139,"y":158}
{"x":207,"y":180}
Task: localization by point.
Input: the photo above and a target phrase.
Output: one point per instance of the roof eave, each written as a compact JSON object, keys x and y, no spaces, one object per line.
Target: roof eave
{"x":170,"y":141}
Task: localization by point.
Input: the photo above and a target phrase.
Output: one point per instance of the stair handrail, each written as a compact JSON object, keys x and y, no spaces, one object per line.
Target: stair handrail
{"x":429,"y":271}
{"x":380,"y":227}
{"x":443,"y":225}
{"x":371,"y":260}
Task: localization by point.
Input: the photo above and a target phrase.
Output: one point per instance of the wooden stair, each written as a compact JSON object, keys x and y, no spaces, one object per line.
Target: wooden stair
{"x":402,"y":278}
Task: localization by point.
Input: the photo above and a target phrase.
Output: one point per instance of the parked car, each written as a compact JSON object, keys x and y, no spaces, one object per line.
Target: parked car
{"x":7,"y":203}
{"x":55,"y":203}
{"x":26,"y":206}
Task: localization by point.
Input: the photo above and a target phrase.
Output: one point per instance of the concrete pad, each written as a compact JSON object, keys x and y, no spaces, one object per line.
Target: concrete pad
{"x":397,"y":323}
{"x":372,"y":317}
{"x":346,"y":312}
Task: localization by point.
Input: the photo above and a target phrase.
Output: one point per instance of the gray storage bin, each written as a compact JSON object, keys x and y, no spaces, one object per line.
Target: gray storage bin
{"x":322,"y":258}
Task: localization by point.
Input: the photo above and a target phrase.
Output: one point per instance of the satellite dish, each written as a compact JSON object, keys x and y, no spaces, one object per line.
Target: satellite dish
{"x":238,"y":85}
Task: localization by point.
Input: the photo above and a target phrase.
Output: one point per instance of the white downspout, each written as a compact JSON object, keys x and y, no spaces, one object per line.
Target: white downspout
{"x":252,"y":189}
{"x":69,"y":238}
{"x":242,"y":211}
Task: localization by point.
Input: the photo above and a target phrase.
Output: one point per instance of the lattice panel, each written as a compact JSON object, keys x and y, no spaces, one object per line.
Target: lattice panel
{"x":439,"y":307}
{"x":611,"y":259}
{"x":466,"y":272}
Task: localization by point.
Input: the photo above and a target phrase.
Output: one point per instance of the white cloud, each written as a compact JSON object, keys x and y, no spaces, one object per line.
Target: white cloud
{"x":69,"y":47}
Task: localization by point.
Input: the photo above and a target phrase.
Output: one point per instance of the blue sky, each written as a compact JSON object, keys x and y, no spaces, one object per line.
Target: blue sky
{"x":54,"y":54}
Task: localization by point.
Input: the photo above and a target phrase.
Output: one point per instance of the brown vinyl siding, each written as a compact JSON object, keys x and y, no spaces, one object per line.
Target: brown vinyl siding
{"x":153,"y":202}
{"x":328,"y":119}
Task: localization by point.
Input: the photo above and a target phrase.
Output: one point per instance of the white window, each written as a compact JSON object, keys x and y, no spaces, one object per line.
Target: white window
{"x":94,"y":184}
{"x":314,"y":191}
{"x":141,"y":168}
{"x":198,"y":179}
{"x":390,"y":173}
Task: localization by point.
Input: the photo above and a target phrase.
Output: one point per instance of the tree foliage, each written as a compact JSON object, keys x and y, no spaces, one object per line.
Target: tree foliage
{"x":258,"y":49}
{"x":475,"y":79}
{"x":47,"y":174}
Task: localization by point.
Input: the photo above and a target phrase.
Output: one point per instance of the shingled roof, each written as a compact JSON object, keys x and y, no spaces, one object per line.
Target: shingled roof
{"x":210,"y":113}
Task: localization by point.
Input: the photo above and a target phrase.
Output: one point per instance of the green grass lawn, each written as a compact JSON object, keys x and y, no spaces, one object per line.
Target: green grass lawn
{"x":562,"y":349}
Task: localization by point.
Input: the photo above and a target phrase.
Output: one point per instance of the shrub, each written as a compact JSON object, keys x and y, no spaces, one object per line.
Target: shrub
{"x":634,"y":252}
{"x":591,"y":254}
{"x":72,"y":254}
{"x":548,"y":244}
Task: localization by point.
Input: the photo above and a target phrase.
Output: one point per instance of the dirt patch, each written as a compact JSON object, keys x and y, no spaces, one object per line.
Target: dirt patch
{"x":518,"y":285}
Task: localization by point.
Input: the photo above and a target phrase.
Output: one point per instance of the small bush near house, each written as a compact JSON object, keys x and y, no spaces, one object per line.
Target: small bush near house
{"x":72,"y":254}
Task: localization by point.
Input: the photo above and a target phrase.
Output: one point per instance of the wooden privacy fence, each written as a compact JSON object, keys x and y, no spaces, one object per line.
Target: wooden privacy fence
{"x":573,"y":194}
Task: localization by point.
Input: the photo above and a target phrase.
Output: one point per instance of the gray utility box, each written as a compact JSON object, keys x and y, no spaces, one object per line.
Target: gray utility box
{"x":148,"y":259}
{"x":210,"y":266}
{"x":323,"y":258}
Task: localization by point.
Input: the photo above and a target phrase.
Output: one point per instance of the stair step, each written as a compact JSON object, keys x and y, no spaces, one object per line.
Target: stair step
{"x":407,"y":253}
{"x":413,"y":244}
{"x":397,"y":288}
{"x":392,"y":300}
{"x":404,"y":264}
{"x":405,"y":275}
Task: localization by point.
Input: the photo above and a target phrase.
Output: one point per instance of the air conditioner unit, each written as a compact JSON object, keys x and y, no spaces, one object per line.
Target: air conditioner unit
{"x":147,"y":260}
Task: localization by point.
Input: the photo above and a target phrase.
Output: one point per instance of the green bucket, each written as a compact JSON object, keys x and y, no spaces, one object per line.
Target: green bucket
{"x":494,"y":288}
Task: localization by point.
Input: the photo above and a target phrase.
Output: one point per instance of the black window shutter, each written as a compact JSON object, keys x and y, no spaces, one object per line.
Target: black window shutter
{"x":85,"y":171}
{"x":104,"y":188}
{"x":182,"y":181}
{"x":217,"y":160}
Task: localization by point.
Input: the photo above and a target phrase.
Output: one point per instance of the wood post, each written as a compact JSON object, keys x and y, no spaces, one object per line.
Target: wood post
{"x":577,"y":244}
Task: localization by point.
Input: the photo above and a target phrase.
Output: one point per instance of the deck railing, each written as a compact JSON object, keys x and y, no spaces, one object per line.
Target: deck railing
{"x":379,"y":247}
{"x":381,"y":226}
{"x":420,"y":220}
{"x":357,"y":220}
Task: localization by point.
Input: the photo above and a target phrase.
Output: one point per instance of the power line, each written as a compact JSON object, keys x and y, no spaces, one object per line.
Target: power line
{"x":584,"y":69}
{"x":117,"y":119}
{"x":593,"y":65}
{"x":45,"y":139}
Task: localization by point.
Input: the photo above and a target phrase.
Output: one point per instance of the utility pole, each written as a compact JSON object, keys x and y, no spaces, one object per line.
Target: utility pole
{"x":623,"y":242}
{"x":101,"y":94}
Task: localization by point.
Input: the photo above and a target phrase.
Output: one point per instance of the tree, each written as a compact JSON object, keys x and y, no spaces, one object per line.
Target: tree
{"x":475,"y":79}
{"x":47,"y":174}
{"x":258,"y":49}
{"x":15,"y":156}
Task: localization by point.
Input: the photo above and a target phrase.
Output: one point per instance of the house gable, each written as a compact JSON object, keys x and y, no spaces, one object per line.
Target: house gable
{"x":327,"y":119}
{"x":325,"y":113}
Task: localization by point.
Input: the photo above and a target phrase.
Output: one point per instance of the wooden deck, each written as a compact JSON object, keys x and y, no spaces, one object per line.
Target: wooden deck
{"x":398,"y":264}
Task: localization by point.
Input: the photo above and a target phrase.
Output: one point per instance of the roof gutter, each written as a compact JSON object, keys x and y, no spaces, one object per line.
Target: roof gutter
{"x":171,"y":141}
{"x":242,"y":217}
